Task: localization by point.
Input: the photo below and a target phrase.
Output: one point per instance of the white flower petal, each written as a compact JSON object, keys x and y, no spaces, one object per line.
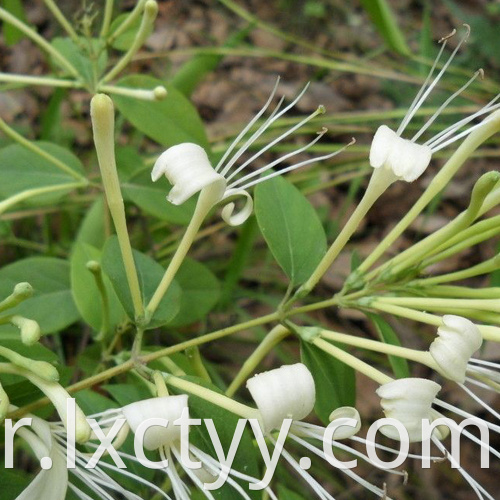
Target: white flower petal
{"x":169,"y":408}
{"x":286,"y":392}
{"x":382,"y":144}
{"x":188,"y":169}
{"x":458,"y":339}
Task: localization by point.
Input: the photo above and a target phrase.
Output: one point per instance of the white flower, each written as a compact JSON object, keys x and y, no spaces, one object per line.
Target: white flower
{"x":409,"y":400}
{"x":406,"y":158}
{"x":49,"y":444}
{"x":458,"y":339}
{"x":167,"y":441}
{"x":288,"y":392}
{"x":188,"y":168}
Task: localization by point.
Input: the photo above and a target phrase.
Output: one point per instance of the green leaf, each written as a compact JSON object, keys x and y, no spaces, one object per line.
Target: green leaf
{"x":383,"y":18}
{"x":23,"y":169}
{"x":151,"y":197}
{"x":200,"y":291}
{"x":52,"y":303}
{"x":78,"y":55}
{"x":86,"y":294}
{"x":286,"y":494}
{"x":10,"y":33}
{"x":92,"y":230}
{"x":169,"y":122}
{"x":335,"y":382}
{"x":290,"y":227}
{"x":149,"y":273}
{"x":388,"y":335}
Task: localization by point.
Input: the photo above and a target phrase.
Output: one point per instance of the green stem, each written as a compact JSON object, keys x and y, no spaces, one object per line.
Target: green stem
{"x":273,"y":338}
{"x":30,"y":193}
{"x":380,"y":180}
{"x":62,"y":20}
{"x":148,"y":19}
{"x":156,"y":94}
{"x":95,"y":268}
{"x":38,"y":80}
{"x":102,"y":114}
{"x":147,"y":358}
{"x":490,"y":126}
{"x":373,"y":345}
{"x":136,"y":12}
{"x":460,"y":292}
{"x":485,"y":267}
{"x":488,"y":332}
{"x":106,"y":20}
{"x":352,"y":361}
{"x":213,"y":397}
{"x":205,"y":203}
{"x":40,"y":41}
{"x":10,"y":132}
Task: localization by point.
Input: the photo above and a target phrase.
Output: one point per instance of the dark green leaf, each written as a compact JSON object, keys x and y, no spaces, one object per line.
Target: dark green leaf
{"x":23,"y":169}
{"x":86,"y":294}
{"x":92,"y":230}
{"x":52,"y":303}
{"x":10,"y":33}
{"x":290,"y":227}
{"x":335,"y":382}
{"x":149,"y":273}
{"x":171,"y":121}
{"x":388,"y":335}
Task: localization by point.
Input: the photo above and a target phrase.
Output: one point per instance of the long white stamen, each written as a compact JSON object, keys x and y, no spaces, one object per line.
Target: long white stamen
{"x":278,"y":161}
{"x":480,"y":443}
{"x":485,"y":363}
{"x":181,"y":492}
{"x":297,"y":165}
{"x":192,"y":476}
{"x":478,"y":489}
{"x":431,"y":120}
{"x":389,"y":449}
{"x":250,"y":124}
{"x":352,"y":451}
{"x":424,"y":86}
{"x":480,"y":384}
{"x":425,"y":94}
{"x":476,"y":398}
{"x":268,"y":146}
{"x":79,"y":493}
{"x":261,"y":130}
{"x":316,"y":487}
{"x":216,"y":467}
{"x":465,"y":414}
{"x":465,"y":133}
{"x":370,"y":487}
{"x":253,"y":137}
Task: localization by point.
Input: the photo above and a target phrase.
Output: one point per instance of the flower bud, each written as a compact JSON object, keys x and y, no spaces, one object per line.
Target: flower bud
{"x":409,"y":400}
{"x":458,"y":338}
{"x":168,"y":408}
{"x":286,"y":392}
{"x":188,"y":169}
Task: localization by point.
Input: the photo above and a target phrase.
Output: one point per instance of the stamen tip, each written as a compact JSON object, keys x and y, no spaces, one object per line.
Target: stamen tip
{"x":467,"y":27}
{"x":323,"y":131}
{"x":353,"y":141}
{"x":447,"y":37}
{"x":480,"y":72}
{"x":321,"y":109}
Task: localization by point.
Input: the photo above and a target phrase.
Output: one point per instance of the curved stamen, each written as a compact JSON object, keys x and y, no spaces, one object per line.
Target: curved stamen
{"x":250,"y":124}
{"x":478,"y":489}
{"x":476,"y":398}
{"x":297,"y":165}
{"x":431,"y":120}
{"x":268,"y":146}
{"x":413,"y":109}
{"x":279,"y":160}
{"x":444,"y":41}
{"x":370,"y":487}
{"x":267,"y":124}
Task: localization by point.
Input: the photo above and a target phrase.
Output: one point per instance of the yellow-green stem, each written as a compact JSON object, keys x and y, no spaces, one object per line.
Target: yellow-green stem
{"x":273,"y":338}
